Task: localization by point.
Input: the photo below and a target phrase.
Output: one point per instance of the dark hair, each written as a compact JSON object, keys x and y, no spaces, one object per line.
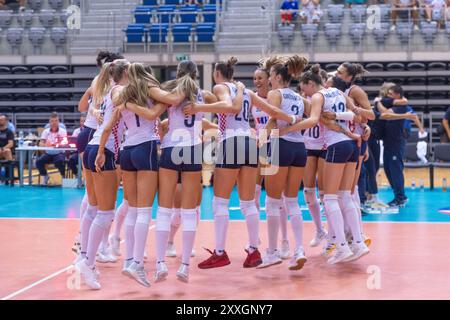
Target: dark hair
{"x":107,"y":56}
{"x":354,"y":70}
{"x":397,"y":89}
{"x":339,"y":84}
{"x":226,"y":69}
{"x":312,"y":73}
{"x":267,"y":72}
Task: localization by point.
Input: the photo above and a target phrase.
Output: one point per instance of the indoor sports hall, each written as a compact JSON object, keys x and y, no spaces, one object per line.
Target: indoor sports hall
{"x":81,"y":155}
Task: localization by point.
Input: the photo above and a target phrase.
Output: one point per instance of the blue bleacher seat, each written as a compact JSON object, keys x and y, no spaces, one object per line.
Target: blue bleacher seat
{"x":182,"y":32}
{"x":150,"y":2}
{"x":211,"y":15}
{"x":158,"y":32}
{"x":205,"y":32}
{"x":172,"y":2}
{"x":135,"y":33}
{"x":143,"y":14}
{"x":188,"y":14}
{"x":5,"y":18}
{"x":166,"y":13}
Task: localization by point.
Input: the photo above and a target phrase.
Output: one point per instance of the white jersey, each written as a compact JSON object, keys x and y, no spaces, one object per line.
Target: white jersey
{"x":184,"y":131}
{"x":115,"y":138}
{"x":314,"y":136}
{"x":231,"y":125}
{"x":292,"y":104}
{"x":260,"y":117}
{"x":355,"y":127}
{"x":91,"y":121}
{"x":334,"y":101}
{"x":139,"y":130}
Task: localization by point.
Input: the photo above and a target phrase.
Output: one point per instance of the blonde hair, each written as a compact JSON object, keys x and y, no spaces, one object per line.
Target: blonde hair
{"x":385,"y":87}
{"x":110,"y":71}
{"x":136,"y":90}
{"x":185,"y":82}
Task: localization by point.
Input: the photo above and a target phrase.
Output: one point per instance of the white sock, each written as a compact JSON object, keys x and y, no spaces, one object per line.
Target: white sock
{"x":130,"y":222}
{"x":335,"y":218}
{"x":175,"y":222}
{"x":189,"y":221}
{"x":221,"y":219}
{"x":121,"y":213}
{"x":357,"y":202}
{"x":350,"y":214}
{"x":251,"y":214}
{"x":144,"y":216}
{"x":258,"y":197}
{"x":101,"y":223}
{"x":88,"y":217}
{"x":295,"y":213}
{"x":273,"y":221}
{"x":313,"y":206}
{"x":163,"y":217}
{"x":283,"y":221}
{"x":83,"y":206}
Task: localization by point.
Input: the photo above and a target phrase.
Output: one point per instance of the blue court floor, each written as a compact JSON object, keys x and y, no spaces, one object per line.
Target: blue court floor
{"x":56,"y":202}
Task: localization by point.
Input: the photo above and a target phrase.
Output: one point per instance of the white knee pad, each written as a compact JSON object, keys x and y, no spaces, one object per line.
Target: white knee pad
{"x":292,"y":207}
{"x":130,"y":219}
{"x":163,"y":219}
{"x":345,"y":200}
{"x":355,"y":197}
{"x":91,"y":212}
{"x":331,"y":203}
{"x":104,"y":219}
{"x":144,"y":215}
{"x":248,"y":208}
{"x":189,"y":219}
{"x":176,"y":217}
{"x":310,"y":195}
{"x":273,"y":206}
{"x":220,"y":206}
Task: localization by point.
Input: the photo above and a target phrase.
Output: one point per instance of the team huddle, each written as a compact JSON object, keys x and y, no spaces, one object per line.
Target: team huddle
{"x":318,"y":137}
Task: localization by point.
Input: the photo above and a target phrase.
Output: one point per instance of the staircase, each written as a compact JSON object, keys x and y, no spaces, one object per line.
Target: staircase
{"x":102,"y":22}
{"x":246,"y":26}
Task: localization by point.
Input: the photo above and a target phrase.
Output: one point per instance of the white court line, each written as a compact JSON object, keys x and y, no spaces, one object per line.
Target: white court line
{"x":32,"y":218}
{"x":57,"y":273}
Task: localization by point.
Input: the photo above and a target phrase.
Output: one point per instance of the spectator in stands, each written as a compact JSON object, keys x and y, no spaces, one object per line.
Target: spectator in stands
{"x":73,"y":159}
{"x":50,"y":138}
{"x":9,"y":123}
{"x":6,"y":139}
{"x":445,"y":135}
{"x":311,"y":12}
{"x":61,"y":125}
{"x":434,"y":10}
{"x":289,"y":11}
{"x":12,"y":4}
{"x":407,"y":9}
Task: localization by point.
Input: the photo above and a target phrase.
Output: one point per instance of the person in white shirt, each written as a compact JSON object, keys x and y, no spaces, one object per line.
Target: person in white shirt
{"x":73,"y":159}
{"x":50,"y":138}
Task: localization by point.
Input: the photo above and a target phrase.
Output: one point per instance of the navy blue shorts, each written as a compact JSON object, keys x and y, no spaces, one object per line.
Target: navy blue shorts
{"x":343,"y":152}
{"x":287,"y":154}
{"x":363,"y":148}
{"x":237,"y":152}
{"x":182,"y":159}
{"x":141,"y":157}
{"x":317,"y":153}
{"x":89,"y":155}
{"x":264,"y":152}
{"x":83,"y":138}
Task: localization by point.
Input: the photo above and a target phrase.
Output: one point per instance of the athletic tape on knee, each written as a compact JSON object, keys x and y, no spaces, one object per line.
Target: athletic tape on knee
{"x":292,"y":207}
{"x":144,"y":215}
{"x":273,"y":206}
{"x":130,"y":219}
{"x":163,"y":219}
{"x":220,"y":206}
{"x":176,"y":217}
{"x":104,"y":219}
{"x":91,"y":212}
{"x":310,"y":195}
{"x":189,"y":219}
{"x":248,"y":208}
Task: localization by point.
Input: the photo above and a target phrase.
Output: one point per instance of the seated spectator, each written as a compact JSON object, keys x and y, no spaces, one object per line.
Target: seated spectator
{"x":6,"y":140}
{"x":73,"y":159}
{"x":434,"y":10}
{"x":311,"y":12}
{"x":61,"y":125}
{"x":12,"y":4}
{"x":9,"y":123}
{"x":289,"y":10}
{"x":50,"y":138}
{"x":407,"y":9}
{"x":445,"y":131}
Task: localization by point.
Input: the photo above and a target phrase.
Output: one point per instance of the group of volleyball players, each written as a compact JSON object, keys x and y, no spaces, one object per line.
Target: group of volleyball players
{"x":318,"y":135}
